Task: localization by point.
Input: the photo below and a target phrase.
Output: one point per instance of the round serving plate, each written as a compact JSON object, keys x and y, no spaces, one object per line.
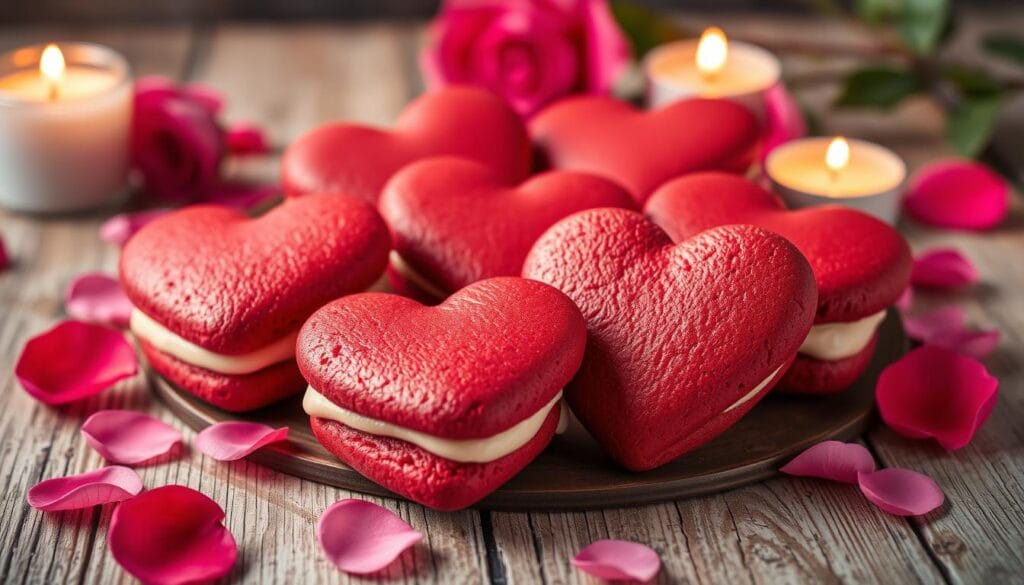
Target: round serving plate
{"x":573,"y":472}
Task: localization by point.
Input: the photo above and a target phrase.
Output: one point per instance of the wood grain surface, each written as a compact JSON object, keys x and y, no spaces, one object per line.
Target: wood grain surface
{"x":784,"y":530}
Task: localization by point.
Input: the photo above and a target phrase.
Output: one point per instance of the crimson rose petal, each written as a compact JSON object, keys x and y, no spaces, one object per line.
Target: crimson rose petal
{"x":361,"y":537}
{"x":936,"y":392}
{"x":93,"y":488}
{"x":957,"y":193}
{"x":74,"y":360}
{"x":118,"y":229}
{"x":832,"y":460}
{"x":943,"y":268}
{"x":98,"y":298}
{"x":172,"y":535}
{"x":233,"y":440}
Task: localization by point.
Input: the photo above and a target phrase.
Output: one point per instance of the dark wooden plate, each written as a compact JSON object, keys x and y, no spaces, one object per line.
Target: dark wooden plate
{"x":573,"y":473}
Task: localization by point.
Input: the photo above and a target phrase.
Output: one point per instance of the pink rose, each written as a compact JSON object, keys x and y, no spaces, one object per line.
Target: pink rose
{"x":177,"y":145}
{"x":529,"y":52}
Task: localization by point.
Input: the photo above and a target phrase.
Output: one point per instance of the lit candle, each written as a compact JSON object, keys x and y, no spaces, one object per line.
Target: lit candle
{"x":821,"y":171}
{"x":65,"y":115}
{"x":711,"y":67}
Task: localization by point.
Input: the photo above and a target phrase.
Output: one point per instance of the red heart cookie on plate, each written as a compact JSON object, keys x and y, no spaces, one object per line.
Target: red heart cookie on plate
{"x":641,"y":150}
{"x":357,"y":160}
{"x":454,"y":221}
{"x":219,"y":297}
{"x":861,"y":266}
{"x":683,"y":339}
{"x":441,"y":404}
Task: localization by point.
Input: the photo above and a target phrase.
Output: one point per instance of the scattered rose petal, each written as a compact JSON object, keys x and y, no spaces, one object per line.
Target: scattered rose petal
{"x":127,"y":436}
{"x":361,"y":537}
{"x":943,"y":269}
{"x":936,"y":392}
{"x":93,"y":488}
{"x":5,"y":260}
{"x":977,"y":344}
{"x":618,"y":559}
{"x":170,"y":535}
{"x":832,"y":460}
{"x":900,"y":491}
{"x":906,"y":300}
{"x":118,"y":229}
{"x":74,"y":360}
{"x":957,"y":193}
{"x":233,"y":440}
{"x":784,"y":120}
{"x":927,"y":325}
{"x":244,"y":138}
{"x":98,"y":298}
{"x":241,"y":195}
{"x":206,"y":96}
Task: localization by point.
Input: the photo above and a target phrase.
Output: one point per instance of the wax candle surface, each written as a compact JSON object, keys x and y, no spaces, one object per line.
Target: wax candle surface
{"x":747,"y":69}
{"x":800,"y":165}
{"x":77,"y":83}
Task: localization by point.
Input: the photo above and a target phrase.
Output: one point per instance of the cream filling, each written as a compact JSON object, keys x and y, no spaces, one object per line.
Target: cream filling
{"x":836,"y":341}
{"x":155,"y":334}
{"x":757,"y":389}
{"x":482,"y":450}
{"x":403,"y":268}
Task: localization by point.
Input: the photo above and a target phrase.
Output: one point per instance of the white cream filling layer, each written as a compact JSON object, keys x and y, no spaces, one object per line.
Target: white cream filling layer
{"x":482,"y":450}
{"x":155,"y":334}
{"x":403,"y":268}
{"x":836,"y":341}
{"x":757,"y":389}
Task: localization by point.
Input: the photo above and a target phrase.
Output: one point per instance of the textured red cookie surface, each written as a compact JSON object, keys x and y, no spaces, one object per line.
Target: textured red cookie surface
{"x":489,"y":357}
{"x":358,"y":160}
{"x":678,"y":333}
{"x":861,"y":265}
{"x":641,"y":150}
{"x":232,"y":284}
{"x":808,"y":375}
{"x":454,"y":221}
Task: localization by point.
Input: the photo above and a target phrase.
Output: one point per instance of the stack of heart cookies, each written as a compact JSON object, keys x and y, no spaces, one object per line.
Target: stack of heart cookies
{"x":601,"y":260}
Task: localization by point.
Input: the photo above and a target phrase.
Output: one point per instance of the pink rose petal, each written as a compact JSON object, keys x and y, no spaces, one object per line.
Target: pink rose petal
{"x":832,"y":460}
{"x":242,"y":196}
{"x":118,"y":229}
{"x":93,"y":488}
{"x":98,"y":298}
{"x":74,"y":360}
{"x":233,"y":440}
{"x":618,"y":559}
{"x":210,"y":98}
{"x":936,"y":392}
{"x":957,"y":193}
{"x":929,"y":324}
{"x":244,"y":138}
{"x":943,"y":269}
{"x":906,"y":300}
{"x":171,"y":535}
{"x":977,"y":344}
{"x":900,"y":491}
{"x":5,"y":260}
{"x":784,"y":120}
{"x":128,"y":437}
{"x":361,"y":537}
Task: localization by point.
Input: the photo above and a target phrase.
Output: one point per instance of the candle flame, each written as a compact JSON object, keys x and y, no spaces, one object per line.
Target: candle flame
{"x":51,"y":64}
{"x":837,"y":156}
{"x":712,"y":51}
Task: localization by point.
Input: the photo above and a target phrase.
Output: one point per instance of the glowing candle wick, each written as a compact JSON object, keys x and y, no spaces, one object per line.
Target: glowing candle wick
{"x":51,"y":65}
{"x":837,"y":156}
{"x":712,"y":52}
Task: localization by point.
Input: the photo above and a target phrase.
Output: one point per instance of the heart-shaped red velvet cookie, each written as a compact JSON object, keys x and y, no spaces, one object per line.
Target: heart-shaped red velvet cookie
{"x":454,"y":221}
{"x":683,"y":338}
{"x":641,"y":150}
{"x":357,"y":160}
{"x":441,"y":404}
{"x":219,"y":296}
{"x":861,"y":265}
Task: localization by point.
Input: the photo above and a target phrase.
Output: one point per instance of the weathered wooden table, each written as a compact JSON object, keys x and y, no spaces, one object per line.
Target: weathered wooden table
{"x":289,"y":78}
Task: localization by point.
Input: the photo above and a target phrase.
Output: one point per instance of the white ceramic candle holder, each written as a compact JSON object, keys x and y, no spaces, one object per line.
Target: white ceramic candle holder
{"x":64,"y":149}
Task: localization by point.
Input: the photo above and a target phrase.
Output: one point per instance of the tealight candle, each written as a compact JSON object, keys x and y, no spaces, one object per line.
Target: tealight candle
{"x":821,"y":171}
{"x":712,"y":67}
{"x":65,"y":115}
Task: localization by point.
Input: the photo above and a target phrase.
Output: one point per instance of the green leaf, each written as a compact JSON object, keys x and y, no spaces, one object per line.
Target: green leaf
{"x":645,"y":28}
{"x":1006,"y":46}
{"x":921,"y":23}
{"x":876,"y":11}
{"x":878,"y":87}
{"x":970,"y":126}
{"x":971,"y":82}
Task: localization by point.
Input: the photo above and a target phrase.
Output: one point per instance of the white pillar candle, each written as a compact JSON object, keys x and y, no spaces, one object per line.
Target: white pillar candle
{"x":820,"y":171}
{"x":711,"y":67}
{"x":65,"y":116}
